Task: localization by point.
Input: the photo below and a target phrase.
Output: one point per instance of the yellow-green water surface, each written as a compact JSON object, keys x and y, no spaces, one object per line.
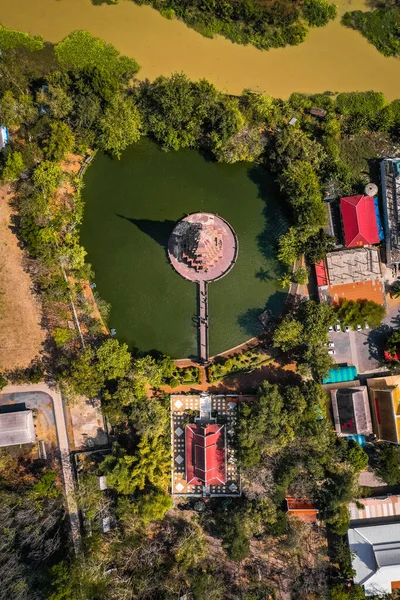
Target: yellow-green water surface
{"x":131,"y":208}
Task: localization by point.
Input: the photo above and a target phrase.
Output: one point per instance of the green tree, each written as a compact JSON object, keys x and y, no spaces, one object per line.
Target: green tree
{"x":356,"y":456}
{"x":148,"y":507}
{"x":392,"y":345}
{"x":289,"y":247}
{"x":16,"y":110}
{"x":114,"y":359}
{"x":13,"y":167}
{"x":47,"y":177}
{"x":11,"y":38}
{"x":83,"y":377}
{"x":80,"y":50}
{"x":235,"y":541}
{"x":288,"y":334}
{"x":318,"y":12}
{"x":264,"y":426}
{"x":60,"y":143}
{"x":388,"y":464}
{"x":120,"y":126}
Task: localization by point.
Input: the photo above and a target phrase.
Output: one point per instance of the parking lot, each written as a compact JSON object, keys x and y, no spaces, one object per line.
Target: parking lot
{"x":358,"y":348}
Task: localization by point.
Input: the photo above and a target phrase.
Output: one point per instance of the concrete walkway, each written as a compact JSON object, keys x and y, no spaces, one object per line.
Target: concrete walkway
{"x":203,"y":321}
{"x":63,"y":444}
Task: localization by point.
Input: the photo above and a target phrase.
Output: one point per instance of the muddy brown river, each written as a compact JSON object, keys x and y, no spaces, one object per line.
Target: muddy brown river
{"x":333,"y":58}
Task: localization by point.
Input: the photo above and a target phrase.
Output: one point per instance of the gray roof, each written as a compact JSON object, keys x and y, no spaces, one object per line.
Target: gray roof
{"x":353,"y":264}
{"x":377,"y":556}
{"x":16,"y":428}
{"x":351,"y":403}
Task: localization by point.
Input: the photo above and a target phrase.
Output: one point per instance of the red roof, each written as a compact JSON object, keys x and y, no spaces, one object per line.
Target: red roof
{"x":205,"y":454}
{"x":359,"y":221}
{"x":320,"y":272}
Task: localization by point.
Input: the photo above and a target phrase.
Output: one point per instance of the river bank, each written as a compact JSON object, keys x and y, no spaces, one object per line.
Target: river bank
{"x":332,"y":58}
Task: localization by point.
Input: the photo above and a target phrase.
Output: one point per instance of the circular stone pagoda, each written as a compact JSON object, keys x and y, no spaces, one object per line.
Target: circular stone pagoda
{"x":203,"y":247}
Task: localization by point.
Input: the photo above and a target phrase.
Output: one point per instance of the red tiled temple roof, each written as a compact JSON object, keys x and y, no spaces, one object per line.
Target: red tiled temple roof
{"x":359,"y":221}
{"x":205,"y":454}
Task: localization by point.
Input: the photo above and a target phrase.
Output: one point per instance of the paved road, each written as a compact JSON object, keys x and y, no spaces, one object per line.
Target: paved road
{"x":63,"y":444}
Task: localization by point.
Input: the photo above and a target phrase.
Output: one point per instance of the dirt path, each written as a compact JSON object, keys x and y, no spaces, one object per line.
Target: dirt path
{"x":21,"y":334}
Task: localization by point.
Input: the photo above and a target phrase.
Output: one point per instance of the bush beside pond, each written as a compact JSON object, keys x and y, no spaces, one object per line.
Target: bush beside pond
{"x":246,"y":361}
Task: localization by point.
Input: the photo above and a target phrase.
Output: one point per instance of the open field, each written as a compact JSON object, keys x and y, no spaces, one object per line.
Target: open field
{"x":21,"y":334}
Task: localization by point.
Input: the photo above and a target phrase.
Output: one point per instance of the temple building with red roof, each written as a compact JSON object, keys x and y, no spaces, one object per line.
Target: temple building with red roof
{"x":205,"y":454}
{"x":203,"y":451}
{"x":359,"y":221}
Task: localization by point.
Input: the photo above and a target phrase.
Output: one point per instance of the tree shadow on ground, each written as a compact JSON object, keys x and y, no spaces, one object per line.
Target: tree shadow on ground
{"x":275,"y":212}
{"x":159,"y":231}
{"x":376,"y":341}
{"x":249,"y":382}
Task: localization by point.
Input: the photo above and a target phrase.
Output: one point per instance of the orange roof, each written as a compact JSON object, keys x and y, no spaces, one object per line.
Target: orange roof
{"x":360,"y":290}
{"x":302,"y":509}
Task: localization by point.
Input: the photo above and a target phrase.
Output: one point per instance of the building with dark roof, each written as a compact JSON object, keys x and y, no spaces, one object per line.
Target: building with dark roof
{"x":390,"y":182}
{"x":359,"y":221}
{"x":351,"y":411}
{"x":16,"y":428}
{"x":205,"y":454}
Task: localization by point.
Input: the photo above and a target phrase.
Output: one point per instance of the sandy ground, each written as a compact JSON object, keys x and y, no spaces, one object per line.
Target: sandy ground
{"x":21,"y":335}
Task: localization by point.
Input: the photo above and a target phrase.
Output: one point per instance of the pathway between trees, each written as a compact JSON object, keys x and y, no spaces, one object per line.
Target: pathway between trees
{"x":63,"y":445}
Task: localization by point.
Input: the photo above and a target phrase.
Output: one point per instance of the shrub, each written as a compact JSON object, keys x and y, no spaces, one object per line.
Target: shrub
{"x":10,"y":38}
{"x":80,"y":50}
{"x":318,"y":12}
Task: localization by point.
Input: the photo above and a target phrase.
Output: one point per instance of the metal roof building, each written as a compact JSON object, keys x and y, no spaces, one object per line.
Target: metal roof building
{"x":16,"y":428}
{"x":376,"y":558}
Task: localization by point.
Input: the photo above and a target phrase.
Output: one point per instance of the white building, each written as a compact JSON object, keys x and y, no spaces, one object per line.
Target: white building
{"x":376,"y":558}
{"x":16,"y":428}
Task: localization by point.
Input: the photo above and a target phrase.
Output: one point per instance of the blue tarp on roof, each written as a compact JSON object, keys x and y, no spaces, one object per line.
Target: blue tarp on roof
{"x":3,"y":136}
{"x":341,"y":374}
{"x":378,"y":220}
{"x":360,"y":439}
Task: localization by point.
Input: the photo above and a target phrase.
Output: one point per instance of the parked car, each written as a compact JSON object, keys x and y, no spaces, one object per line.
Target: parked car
{"x":337,"y":327}
{"x":331,"y":345}
{"x":330,"y":328}
{"x":347,"y":328}
{"x":331,"y":352}
{"x":359,"y":327}
{"x":366,"y":326}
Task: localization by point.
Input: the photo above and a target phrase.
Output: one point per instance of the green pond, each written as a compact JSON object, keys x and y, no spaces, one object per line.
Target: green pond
{"x":132,"y":205}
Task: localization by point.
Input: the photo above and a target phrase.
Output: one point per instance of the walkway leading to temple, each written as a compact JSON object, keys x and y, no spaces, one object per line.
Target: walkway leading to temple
{"x":203,"y":248}
{"x":203,"y":321}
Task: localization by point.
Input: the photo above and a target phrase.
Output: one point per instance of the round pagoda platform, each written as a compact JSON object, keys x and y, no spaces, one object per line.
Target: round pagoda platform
{"x":203,"y":247}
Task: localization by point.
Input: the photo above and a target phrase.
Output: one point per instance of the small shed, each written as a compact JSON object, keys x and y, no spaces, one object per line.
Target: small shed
{"x":318,"y":112}
{"x":302,"y":509}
